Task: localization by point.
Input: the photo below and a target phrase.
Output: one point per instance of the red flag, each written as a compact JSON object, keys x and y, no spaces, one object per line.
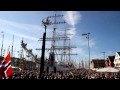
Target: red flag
{"x":7,"y":67}
{"x":1,"y":71}
{"x":2,"y":67}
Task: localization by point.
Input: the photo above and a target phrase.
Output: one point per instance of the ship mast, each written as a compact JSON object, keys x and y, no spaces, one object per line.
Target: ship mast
{"x":12,"y":47}
{"x":21,"y":62}
{"x":52,"y":39}
{"x":64,"y":48}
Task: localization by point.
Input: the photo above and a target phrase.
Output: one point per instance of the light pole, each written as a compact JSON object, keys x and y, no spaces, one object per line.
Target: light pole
{"x":104,"y":54}
{"x":87,"y":36}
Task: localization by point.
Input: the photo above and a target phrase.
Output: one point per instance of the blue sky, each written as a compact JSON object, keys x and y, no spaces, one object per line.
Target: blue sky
{"x":103,"y":25}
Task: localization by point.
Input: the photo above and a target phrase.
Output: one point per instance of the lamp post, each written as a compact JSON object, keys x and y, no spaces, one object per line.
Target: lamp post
{"x":104,"y":54}
{"x":87,"y":36}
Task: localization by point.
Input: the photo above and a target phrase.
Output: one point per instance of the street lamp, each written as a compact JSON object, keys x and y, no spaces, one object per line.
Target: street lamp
{"x":87,"y":36}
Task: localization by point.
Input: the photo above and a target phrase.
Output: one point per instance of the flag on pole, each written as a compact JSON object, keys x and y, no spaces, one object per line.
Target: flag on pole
{"x":6,"y":67}
{"x":1,"y":71}
{"x":1,"y":67}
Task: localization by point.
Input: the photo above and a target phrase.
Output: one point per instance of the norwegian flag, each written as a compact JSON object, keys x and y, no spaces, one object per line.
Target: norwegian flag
{"x":1,"y":71}
{"x":6,"y":66}
{"x":2,"y":68}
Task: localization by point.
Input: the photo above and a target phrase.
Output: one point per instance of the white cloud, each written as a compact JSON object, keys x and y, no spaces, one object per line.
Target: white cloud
{"x":72,"y":32}
{"x":23,"y":26}
{"x":30,"y":33}
{"x":20,"y":30}
{"x":72,"y":17}
{"x":85,"y":43}
{"x":78,"y":51}
{"x":10,"y":42}
{"x":27,"y":31}
{"x":27,"y":37}
{"x":14,"y":24}
{"x":19,"y":34}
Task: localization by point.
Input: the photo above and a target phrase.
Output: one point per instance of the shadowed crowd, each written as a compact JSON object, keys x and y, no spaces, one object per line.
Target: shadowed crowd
{"x":71,"y":74}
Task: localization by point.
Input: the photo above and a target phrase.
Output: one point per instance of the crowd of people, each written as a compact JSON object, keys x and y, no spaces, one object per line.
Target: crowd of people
{"x":71,"y":74}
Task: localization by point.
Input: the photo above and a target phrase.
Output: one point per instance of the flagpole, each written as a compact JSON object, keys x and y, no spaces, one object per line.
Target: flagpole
{"x":2,"y":43}
{"x":8,"y":49}
{"x":12,"y":47}
{"x":12,"y":50}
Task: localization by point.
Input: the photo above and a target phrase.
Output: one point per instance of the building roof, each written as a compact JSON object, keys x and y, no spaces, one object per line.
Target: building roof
{"x":98,"y":60}
{"x":111,"y":58}
{"x":118,"y":53}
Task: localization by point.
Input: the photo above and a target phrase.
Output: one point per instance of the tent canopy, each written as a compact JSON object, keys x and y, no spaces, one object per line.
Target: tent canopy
{"x":107,"y":69}
{"x":13,"y":67}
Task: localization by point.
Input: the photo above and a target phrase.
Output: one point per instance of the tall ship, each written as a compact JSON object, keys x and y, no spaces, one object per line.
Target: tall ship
{"x":60,"y":54}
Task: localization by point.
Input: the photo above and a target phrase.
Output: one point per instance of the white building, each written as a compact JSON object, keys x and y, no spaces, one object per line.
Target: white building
{"x":117,"y":59}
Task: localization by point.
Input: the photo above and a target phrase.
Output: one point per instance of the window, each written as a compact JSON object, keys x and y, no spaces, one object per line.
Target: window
{"x":118,"y":64}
